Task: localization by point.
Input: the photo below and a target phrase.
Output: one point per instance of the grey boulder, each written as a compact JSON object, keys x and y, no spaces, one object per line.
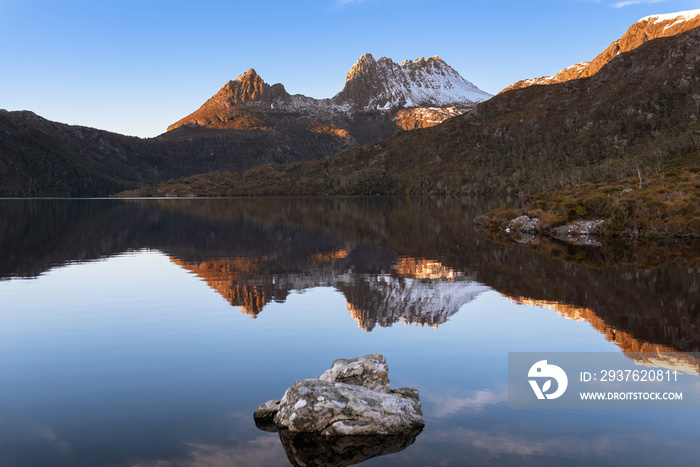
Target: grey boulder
{"x":579,"y":228}
{"x":523,"y":224}
{"x":351,"y":398}
{"x":370,"y":371}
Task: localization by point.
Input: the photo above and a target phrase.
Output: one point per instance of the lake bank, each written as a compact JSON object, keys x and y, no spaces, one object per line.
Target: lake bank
{"x":658,"y":206}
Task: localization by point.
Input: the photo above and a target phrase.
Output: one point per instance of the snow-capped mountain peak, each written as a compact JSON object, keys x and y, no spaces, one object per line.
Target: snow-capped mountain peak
{"x":416,"y":94}
{"x":383,"y":84}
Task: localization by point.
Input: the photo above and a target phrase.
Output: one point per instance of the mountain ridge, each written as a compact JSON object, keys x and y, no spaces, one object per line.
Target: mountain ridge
{"x":382,"y":86}
{"x":647,"y":28}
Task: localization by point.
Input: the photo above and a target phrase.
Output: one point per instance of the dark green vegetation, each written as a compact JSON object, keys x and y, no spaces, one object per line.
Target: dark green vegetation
{"x":39,"y":157}
{"x":43,"y":158}
{"x":638,"y":113}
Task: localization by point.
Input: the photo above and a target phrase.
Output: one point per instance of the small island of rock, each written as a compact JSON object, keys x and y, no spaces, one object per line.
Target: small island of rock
{"x":351,"y":398}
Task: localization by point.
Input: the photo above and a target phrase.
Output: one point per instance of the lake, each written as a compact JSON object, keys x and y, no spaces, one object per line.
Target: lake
{"x":146,"y":332}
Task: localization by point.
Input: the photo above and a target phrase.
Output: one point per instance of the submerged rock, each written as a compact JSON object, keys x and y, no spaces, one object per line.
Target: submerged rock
{"x":351,"y":398}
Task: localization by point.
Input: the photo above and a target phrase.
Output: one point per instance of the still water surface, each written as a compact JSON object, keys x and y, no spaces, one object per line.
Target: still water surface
{"x":145,"y":332}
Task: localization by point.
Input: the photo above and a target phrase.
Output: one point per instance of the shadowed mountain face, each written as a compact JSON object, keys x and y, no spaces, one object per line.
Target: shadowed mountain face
{"x":646,"y":29}
{"x":43,"y":158}
{"x":394,"y":261}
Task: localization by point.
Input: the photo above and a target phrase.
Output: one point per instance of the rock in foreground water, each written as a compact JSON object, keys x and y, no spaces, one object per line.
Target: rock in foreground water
{"x":351,"y":398}
{"x":370,"y":371}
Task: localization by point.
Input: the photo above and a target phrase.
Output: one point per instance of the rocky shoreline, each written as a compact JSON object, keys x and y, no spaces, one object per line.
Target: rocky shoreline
{"x":524,"y":228}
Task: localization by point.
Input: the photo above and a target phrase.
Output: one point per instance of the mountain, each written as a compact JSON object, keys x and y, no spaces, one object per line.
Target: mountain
{"x":639,"y":115}
{"x":646,"y":29}
{"x":379,"y":98}
{"x":247,"y":103}
{"x":39,"y":157}
{"x":384,"y":84}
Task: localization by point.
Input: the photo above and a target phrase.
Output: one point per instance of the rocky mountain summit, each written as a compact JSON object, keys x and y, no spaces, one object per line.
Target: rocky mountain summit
{"x":243,"y":103}
{"x":646,"y":29}
{"x":378,"y":91}
{"x":384,"y":84}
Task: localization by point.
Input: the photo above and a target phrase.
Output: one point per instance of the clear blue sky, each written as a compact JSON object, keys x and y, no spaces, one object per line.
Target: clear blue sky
{"x":134,"y":67}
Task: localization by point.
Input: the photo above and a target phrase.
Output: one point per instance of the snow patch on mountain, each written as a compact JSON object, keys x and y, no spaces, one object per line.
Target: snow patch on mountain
{"x":574,"y":69}
{"x":672,"y":18}
{"x":436,"y":82}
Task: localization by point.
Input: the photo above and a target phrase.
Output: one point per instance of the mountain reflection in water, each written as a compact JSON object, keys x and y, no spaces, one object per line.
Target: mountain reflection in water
{"x":426,"y":295}
{"x":394,"y":260}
